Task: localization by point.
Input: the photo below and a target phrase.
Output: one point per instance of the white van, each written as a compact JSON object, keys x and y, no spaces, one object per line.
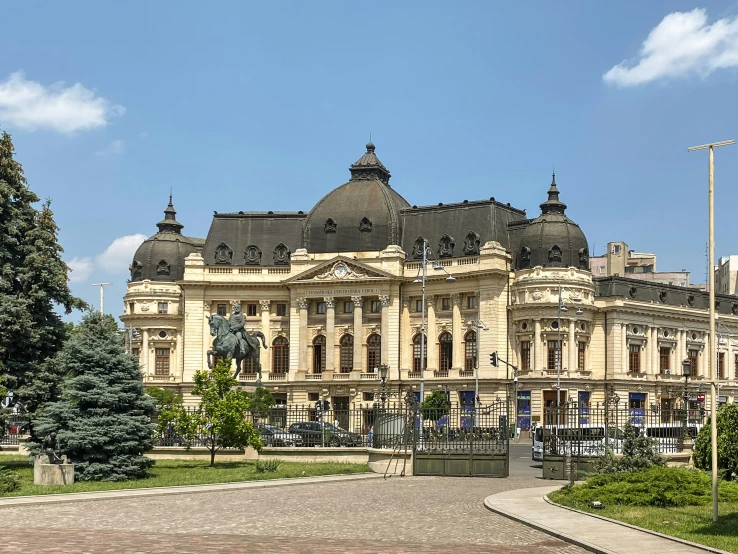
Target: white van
{"x":583,"y":440}
{"x":668,"y":435}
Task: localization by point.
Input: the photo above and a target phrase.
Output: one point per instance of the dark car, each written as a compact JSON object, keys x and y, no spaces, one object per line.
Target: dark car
{"x":274,"y":436}
{"x":315,"y":433}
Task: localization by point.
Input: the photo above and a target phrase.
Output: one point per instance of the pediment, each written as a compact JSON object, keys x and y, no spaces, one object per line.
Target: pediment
{"x":340,"y":269}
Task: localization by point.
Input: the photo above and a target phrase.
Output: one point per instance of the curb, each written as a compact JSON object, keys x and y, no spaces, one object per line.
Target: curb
{"x":636,"y":528}
{"x":553,"y":532}
{"x":89,"y":496}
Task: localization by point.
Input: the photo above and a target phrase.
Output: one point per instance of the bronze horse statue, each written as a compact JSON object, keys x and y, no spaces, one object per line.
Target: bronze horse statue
{"x":229,"y":345}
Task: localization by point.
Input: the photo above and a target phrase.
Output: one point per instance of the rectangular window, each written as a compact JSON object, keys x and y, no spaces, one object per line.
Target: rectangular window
{"x":525,"y":355}
{"x":163,"y":307}
{"x":692,"y":355}
{"x":581,"y":349}
{"x":251,"y":310}
{"x":320,"y":308}
{"x":664,"y":355}
{"x":419,"y":305}
{"x":554,"y":355}
{"x":634,"y":358}
{"x":602,"y":269}
{"x":445,"y":303}
{"x":721,"y":365}
{"x":376,"y":306}
{"x":222,"y":309}
{"x":471,"y":302}
{"x":348,"y":307}
{"x":131,"y":307}
{"x":136,"y":352}
{"x":162,"y":362}
{"x":313,"y":396}
{"x":368,"y":396}
{"x":281,"y":310}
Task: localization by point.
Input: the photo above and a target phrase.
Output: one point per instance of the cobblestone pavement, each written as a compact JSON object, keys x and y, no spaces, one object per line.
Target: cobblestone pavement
{"x":398,"y":515}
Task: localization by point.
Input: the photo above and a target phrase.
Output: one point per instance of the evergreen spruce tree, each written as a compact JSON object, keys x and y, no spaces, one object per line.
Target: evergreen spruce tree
{"x":33,"y":281}
{"x":103,"y":418}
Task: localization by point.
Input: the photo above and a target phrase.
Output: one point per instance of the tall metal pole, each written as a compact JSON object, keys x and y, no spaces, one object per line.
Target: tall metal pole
{"x":422,"y":324}
{"x":102,"y":295}
{"x":713,"y":346}
{"x":476,"y":366}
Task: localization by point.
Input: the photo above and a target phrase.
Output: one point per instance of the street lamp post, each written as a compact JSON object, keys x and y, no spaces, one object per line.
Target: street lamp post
{"x":102,"y":295}
{"x":560,"y":354}
{"x":711,"y":283}
{"x":478,"y":324}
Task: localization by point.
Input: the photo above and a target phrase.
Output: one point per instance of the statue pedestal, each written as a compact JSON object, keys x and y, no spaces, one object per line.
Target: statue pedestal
{"x":45,"y":473}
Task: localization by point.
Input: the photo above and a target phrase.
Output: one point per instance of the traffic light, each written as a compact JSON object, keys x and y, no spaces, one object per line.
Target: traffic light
{"x":493,"y":359}
{"x":326,"y":405}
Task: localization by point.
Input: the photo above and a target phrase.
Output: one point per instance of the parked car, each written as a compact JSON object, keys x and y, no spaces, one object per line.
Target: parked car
{"x":274,"y":436}
{"x":315,"y":433}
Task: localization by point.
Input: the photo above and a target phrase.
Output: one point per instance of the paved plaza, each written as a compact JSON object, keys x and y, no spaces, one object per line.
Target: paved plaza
{"x":397,"y":515}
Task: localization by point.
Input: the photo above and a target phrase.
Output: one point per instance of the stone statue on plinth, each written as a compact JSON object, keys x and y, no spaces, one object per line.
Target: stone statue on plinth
{"x":51,"y":449}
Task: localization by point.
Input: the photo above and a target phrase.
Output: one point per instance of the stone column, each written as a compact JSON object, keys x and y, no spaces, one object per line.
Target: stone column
{"x":197,"y":331}
{"x":358,"y":333}
{"x":265,"y":356}
{"x":430,"y":340}
{"x":572,"y":349}
{"x":385,"y":329}
{"x":624,"y":348}
{"x":457,"y":332}
{"x":655,"y":352}
{"x":178,"y":369}
{"x":302,"y":347}
{"x":406,"y":345}
{"x":537,"y":346}
{"x":330,"y":332}
{"x":145,"y":358}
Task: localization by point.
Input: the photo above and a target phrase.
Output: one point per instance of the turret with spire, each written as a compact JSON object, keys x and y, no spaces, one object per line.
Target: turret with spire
{"x":169,"y":223}
{"x":553,"y":205}
{"x":368,"y":167}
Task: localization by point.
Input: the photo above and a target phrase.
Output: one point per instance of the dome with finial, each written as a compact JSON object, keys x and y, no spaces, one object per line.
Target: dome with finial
{"x":361,"y":215}
{"x":161,"y":257}
{"x":552,"y":239}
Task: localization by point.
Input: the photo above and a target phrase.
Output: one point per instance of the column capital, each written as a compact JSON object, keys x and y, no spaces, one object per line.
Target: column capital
{"x":303,"y":303}
{"x":358,"y":301}
{"x":385,"y":300}
{"x":330,"y":302}
{"x":265,"y":305}
{"x":405,"y":301}
{"x":430,"y":299}
{"x":456,"y":298}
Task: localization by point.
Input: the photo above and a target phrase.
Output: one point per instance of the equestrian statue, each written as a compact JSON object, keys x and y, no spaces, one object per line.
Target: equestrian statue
{"x":233,"y":341}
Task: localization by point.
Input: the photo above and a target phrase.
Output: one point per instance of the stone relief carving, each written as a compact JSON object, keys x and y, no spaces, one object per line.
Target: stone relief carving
{"x":513,"y":298}
{"x":303,"y":303}
{"x":537,"y":295}
{"x":385,"y":300}
{"x":330,"y":302}
{"x":472,"y":243}
{"x":430,"y":300}
{"x":341,"y":270}
{"x":265,"y":305}
{"x":358,"y":301}
{"x":145,"y":306}
{"x":455,"y":298}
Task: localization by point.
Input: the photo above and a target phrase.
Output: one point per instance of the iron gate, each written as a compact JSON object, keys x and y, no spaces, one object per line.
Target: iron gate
{"x":461,"y":443}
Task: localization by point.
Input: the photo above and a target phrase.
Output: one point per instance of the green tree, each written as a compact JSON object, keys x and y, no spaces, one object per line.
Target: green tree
{"x":33,"y":284}
{"x":435,"y":406}
{"x":221,"y":415}
{"x":727,"y":442}
{"x":260,"y":403}
{"x":638,"y":452}
{"x":102,"y":419}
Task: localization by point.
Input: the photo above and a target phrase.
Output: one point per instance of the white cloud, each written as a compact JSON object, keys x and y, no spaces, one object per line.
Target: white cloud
{"x":113,"y":149}
{"x":114,"y":259}
{"x":683,"y":44}
{"x":117,"y":257}
{"x":30,"y":105}
{"x":81,"y":268}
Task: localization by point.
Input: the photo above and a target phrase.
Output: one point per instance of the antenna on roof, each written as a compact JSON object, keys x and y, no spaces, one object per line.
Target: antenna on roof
{"x":170,"y":195}
{"x":370,"y":137}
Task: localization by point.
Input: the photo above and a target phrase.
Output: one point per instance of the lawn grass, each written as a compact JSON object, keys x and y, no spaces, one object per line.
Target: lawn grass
{"x":692,"y":523}
{"x":168,"y":473}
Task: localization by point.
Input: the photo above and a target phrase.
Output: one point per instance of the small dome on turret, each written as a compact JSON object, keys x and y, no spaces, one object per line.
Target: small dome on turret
{"x":161,"y":257}
{"x":552,"y":239}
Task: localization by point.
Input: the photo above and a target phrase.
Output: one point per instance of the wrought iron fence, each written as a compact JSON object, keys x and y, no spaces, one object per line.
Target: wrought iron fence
{"x":589,"y":430}
{"x":12,"y":427}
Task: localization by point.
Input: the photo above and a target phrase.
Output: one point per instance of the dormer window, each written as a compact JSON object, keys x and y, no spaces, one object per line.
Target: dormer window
{"x":282,"y":254}
{"x":418,"y":248}
{"x":162,"y":268}
{"x":330,"y":226}
{"x":252,"y":256}
{"x":446,"y":246}
{"x":554,"y":256}
{"x":223,"y":254}
{"x":471,"y":244}
{"x":365,"y":225}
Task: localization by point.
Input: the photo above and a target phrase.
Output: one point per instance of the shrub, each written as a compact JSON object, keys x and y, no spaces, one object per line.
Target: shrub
{"x":657,"y":486}
{"x":638,"y":454}
{"x":727,"y":439}
{"x":9,"y":481}
{"x":435,"y":406}
{"x":267,"y":466}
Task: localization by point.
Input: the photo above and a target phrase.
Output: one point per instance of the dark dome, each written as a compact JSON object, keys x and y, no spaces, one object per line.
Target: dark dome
{"x":362,"y":215}
{"x":161,"y":257}
{"x":552,"y":239}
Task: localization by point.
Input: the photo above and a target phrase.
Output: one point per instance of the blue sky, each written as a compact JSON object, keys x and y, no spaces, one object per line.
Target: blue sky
{"x":251,"y":106}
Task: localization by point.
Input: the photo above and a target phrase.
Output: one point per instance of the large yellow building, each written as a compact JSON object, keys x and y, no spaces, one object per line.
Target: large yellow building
{"x":338,"y":290}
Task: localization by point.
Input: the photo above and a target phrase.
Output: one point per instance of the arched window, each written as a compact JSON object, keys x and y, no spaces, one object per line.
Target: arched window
{"x":347,"y":353}
{"x":373,"y":352}
{"x":319,"y":354}
{"x":470,"y":350}
{"x":417,"y":365}
{"x":445,"y":351}
{"x":280,"y":355}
